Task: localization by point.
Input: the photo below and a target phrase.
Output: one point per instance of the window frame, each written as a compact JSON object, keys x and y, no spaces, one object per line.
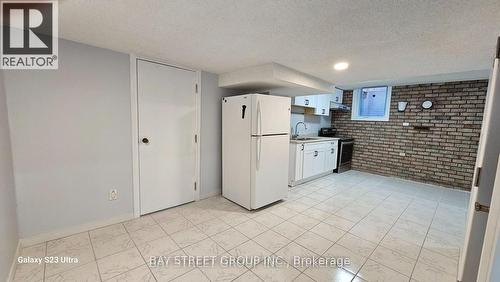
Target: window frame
{"x":356,"y":94}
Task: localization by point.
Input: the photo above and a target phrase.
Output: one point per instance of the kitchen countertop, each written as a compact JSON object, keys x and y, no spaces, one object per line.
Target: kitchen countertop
{"x":316,"y":139}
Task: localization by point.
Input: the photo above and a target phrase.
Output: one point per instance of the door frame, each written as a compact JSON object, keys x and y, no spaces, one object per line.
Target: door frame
{"x":135,"y":126}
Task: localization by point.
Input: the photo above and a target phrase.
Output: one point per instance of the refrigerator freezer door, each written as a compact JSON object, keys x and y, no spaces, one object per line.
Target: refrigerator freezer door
{"x":270,"y":114}
{"x":269,"y":169}
{"x":236,"y":149}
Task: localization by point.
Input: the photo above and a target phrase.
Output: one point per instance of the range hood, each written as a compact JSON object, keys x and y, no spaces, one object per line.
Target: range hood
{"x":276,"y":79}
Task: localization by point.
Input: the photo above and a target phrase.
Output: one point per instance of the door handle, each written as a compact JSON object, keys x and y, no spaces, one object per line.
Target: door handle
{"x":145,"y":140}
{"x":243,"y":108}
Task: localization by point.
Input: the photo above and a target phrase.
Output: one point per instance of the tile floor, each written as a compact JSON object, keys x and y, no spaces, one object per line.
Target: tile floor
{"x":390,"y":229}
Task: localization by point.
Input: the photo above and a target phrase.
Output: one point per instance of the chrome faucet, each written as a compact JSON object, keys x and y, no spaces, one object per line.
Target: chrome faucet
{"x":296,"y":127}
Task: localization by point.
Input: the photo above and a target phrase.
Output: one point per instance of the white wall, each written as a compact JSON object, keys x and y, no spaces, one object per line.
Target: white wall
{"x":8,"y":218}
{"x":314,"y":123}
{"x":71,"y":139}
{"x":211,"y":135}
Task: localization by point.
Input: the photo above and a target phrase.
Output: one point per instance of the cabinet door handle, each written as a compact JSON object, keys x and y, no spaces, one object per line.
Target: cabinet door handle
{"x":333,"y":150}
{"x":302,"y":147}
{"x":306,"y":102}
{"x":323,"y":111}
{"x":315,"y":153}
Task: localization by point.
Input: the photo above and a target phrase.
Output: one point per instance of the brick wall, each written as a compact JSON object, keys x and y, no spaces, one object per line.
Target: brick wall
{"x":444,"y":154}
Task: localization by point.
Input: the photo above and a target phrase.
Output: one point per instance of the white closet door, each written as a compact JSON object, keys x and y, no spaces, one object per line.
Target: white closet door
{"x":484,"y":179}
{"x":167,"y":124}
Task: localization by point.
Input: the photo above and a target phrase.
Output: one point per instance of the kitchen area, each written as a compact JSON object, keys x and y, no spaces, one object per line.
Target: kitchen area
{"x":317,"y":152}
{"x":275,"y":125}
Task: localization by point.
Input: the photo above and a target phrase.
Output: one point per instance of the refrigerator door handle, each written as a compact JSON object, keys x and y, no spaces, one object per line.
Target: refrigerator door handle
{"x":259,"y":145}
{"x":259,"y":119}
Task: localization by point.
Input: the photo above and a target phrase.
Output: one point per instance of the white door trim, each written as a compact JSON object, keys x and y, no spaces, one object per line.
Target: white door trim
{"x":491,"y":235}
{"x":135,"y":127}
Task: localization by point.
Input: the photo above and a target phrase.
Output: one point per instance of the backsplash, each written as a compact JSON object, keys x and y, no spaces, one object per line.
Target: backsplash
{"x":314,"y":123}
{"x":444,"y":152}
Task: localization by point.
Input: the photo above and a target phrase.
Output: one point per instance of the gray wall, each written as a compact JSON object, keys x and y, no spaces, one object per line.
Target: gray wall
{"x":71,"y":139}
{"x":8,"y":218}
{"x":211,"y":138}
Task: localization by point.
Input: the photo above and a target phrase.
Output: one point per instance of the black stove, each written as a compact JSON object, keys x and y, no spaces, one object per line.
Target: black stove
{"x":346,"y":146}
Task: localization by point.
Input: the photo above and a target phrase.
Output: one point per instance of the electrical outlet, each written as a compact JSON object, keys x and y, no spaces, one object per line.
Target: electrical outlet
{"x":113,"y":194}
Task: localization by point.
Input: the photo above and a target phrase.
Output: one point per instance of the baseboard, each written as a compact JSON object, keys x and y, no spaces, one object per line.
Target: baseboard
{"x":209,"y":195}
{"x":33,"y":240}
{"x":310,"y":178}
{"x":12,"y":271}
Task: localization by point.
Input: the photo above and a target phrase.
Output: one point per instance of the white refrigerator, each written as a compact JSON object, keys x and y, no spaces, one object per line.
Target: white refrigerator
{"x":255,"y":142}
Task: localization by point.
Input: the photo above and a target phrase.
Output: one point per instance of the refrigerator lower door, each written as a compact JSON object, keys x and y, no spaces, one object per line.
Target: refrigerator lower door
{"x":269,"y":169}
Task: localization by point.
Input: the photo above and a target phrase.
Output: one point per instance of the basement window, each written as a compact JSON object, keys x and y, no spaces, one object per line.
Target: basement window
{"x":371,"y":103}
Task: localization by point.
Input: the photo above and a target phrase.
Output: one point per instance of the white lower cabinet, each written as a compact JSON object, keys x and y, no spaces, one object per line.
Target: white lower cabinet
{"x":331,"y":156}
{"x":296,"y":160}
{"x":308,"y":160}
{"x":314,"y":159}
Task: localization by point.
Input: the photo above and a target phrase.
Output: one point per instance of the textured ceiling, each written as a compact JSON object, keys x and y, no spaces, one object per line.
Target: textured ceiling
{"x":384,"y":41}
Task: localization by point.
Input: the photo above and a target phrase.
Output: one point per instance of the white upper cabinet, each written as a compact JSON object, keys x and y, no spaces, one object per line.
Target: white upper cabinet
{"x":323,"y":104}
{"x":305,"y":101}
{"x":337,"y":96}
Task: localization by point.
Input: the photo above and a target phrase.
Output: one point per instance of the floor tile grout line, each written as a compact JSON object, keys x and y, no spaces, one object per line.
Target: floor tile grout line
{"x":425,"y":239}
{"x":378,"y":244}
{"x":210,"y":237}
{"x":248,"y":270}
{"x":302,"y":272}
{"x":137,"y":248}
{"x":72,"y":267}
{"x":95,"y":257}
{"x":45,"y":264}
